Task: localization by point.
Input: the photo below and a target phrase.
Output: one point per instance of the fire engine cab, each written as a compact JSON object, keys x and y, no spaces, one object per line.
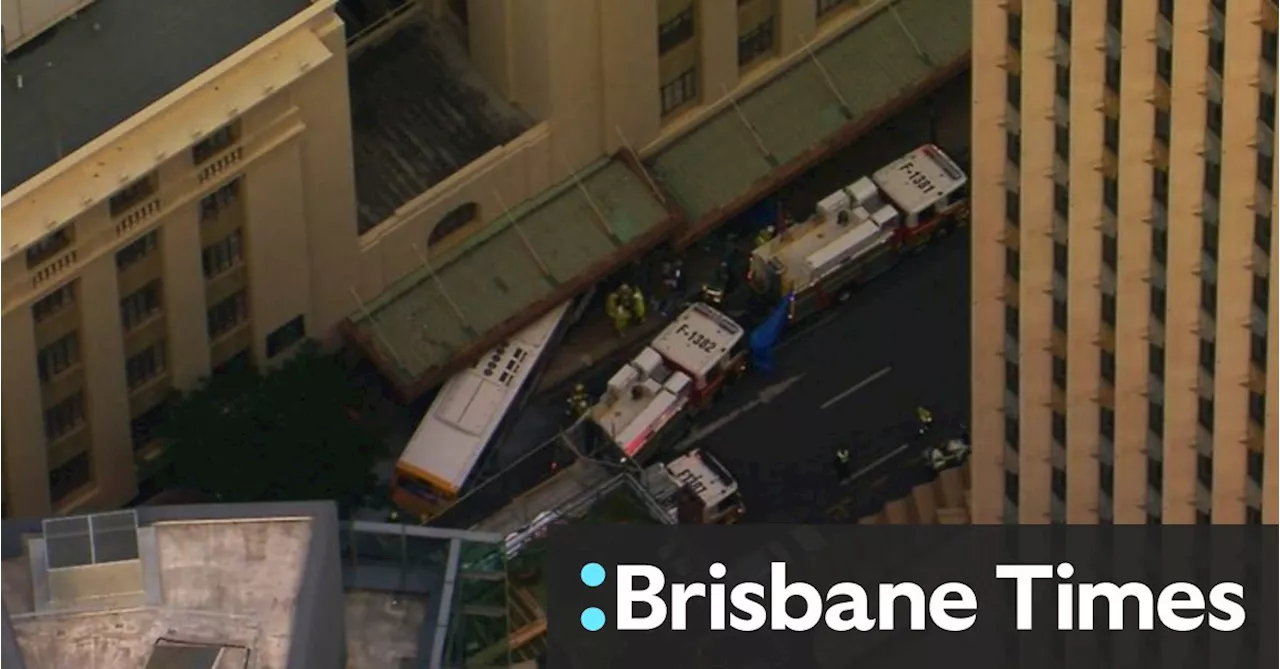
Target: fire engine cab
{"x":648,"y":402}
{"x":695,"y":489}
{"x":861,"y":230}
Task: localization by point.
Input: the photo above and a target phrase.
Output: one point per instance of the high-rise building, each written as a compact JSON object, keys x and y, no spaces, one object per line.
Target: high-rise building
{"x":194,"y":184}
{"x":1124,"y":355}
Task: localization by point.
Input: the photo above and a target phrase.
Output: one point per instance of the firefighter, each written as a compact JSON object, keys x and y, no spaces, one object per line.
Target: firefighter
{"x":579,"y":403}
{"x":764,"y":236}
{"x":618,"y":312}
{"x":393,"y":517}
{"x":638,"y":306}
{"x":926,"y":419}
{"x":937,"y":459}
{"x":842,"y":466}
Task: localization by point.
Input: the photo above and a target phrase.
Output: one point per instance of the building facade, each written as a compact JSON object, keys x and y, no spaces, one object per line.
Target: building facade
{"x":214,"y":222}
{"x":1124,"y":363}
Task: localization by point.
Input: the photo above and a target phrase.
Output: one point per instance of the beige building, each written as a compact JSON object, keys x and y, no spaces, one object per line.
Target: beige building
{"x":270,"y":177}
{"x":1124,"y":353}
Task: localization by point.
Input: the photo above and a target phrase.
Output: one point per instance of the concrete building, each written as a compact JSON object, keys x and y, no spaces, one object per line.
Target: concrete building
{"x":217,"y":586}
{"x":1124,"y":358}
{"x":434,"y":175}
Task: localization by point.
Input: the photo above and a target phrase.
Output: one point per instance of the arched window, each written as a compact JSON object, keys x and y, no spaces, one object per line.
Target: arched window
{"x":459,"y":218}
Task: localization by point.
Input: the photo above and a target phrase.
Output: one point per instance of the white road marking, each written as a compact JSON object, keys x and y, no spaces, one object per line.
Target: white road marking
{"x":806,"y":331}
{"x":885,"y":458}
{"x":858,"y":386}
{"x":766,"y":395}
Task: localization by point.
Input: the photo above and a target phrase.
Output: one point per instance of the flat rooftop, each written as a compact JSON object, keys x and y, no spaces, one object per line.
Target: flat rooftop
{"x":90,"y":73}
{"x":419,"y":112}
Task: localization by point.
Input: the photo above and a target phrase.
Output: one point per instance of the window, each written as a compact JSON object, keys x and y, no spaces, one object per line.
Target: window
{"x":1059,"y":482}
{"x":1164,"y":64}
{"x":1012,"y":206}
{"x":142,"y":367}
{"x":1013,"y":90}
{"x":1111,"y":193}
{"x":1111,"y":133}
{"x":681,"y":90}
{"x":1160,"y":245}
{"x":1013,"y":27}
{"x":1061,"y":199}
{"x":1258,"y":408}
{"x":227,"y":314}
{"x":54,"y":302}
{"x":285,"y":336}
{"x":1155,"y":417}
{"x":58,"y":357}
{"x":1060,"y":258}
{"x":1106,"y":422}
{"x":1255,"y":462}
{"x":1064,"y":21}
{"x":1155,"y":359}
{"x":1155,"y":474}
{"x":756,"y":42}
{"x":1269,"y":46}
{"x":675,"y":32}
{"x":1159,"y":301}
{"x":1109,"y":309}
{"x":457,"y":219}
{"x":1110,"y":251}
{"x":1011,"y":429}
{"x":49,"y":246}
{"x":1204,"y":413}
{"x":1212,"y":116}
{"x":64,"y":417}
{"x":1261,"y":291}
{"x":1062,"y":81}
{"x":71,"y":476}
{"x":1209,"y":238}
{"x":1012,"y":262}
{"x":1258,"y":349}
{"x":1106,"y":478}
{"x":133,"y":194}
{"x":1208,"y":296}
{"x":1160,"y":186}
{"x":221,"y":256}
{"x":1113,"y":74}
{"x":215,"y":142}
{"x":1164,"y":125}
{"x":1262,"y":231}
{"x":1252,"y":516}
{"x":826,"y":6}
{"x":1203,"y":518}
{"x":1011,"y":486}
{"x":137,"y":250}
{"x":1060,"y":371}
{"x":1060,"y":314}
{"x":1267,"y":109}
{"x":142,"y":430}
{"x":1115,"y":13}
{"x":1212,"y":178}
{"x":216,"y":202}
{"x":1208,"y":351}
{"x":1204,"y":470}
{"x":1166,"y":9}
{"x":1062,"y":141}
{"x":1217,"y":55}
{"x":1011,"y":320}
{"x":1013,"y":147}
{"x":1108,"y":365}
{"x":1266,"y":169}
{"x":140,"y":306}
{"x":1011,"y":376}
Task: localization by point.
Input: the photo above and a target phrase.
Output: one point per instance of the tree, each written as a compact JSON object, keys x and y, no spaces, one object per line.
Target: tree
{"x":290,"y":434}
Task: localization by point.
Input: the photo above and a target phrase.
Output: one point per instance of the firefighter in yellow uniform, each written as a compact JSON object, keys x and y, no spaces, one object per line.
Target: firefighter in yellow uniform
{"x":617,"y":311}
{"x":764,"y":236}
{"x":579,"y":402}
{"x":393,"y":517}
{"x":926,"y":419}
{"x":842,"y":465}
{"x":638,"y":305}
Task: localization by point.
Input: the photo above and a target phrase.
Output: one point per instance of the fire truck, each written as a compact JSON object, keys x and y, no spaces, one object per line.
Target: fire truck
{"x":648,"y":403}
{"x":695,"y":489}
{"x":862,"y":230}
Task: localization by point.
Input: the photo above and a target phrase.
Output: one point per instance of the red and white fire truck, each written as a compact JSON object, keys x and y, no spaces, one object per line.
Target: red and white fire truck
{"x":861,"y":230}
{"x":647,"y":403}
{"x":695,"y":489}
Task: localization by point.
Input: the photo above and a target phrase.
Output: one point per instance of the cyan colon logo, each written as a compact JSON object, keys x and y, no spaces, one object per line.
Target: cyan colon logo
{"x":592,"y":576}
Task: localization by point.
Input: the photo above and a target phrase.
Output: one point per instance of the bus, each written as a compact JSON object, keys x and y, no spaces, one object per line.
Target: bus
{"x":466,"y":416}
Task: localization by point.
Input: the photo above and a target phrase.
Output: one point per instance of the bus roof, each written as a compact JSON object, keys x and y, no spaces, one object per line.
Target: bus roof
{"x":697,"y":339}
{"x":917,"y":180}
{"x":470,"y":406}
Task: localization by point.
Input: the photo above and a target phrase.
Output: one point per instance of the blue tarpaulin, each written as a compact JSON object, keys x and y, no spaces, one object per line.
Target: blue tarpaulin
{"x":765,"y":337}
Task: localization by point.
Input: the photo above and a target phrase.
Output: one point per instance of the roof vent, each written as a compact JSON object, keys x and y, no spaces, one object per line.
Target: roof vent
{"x":87,"y":562}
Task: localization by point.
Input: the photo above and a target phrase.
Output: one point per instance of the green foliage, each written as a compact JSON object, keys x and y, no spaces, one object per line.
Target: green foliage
{"x":284,"y":435}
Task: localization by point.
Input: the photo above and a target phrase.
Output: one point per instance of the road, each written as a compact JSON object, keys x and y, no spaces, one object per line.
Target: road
{"x":902,"y":342}
{"x":943,"y":118}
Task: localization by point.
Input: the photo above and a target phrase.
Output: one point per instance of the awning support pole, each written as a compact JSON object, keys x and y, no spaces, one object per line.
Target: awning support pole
{"x":377,"y":331}
{"x":893,"y":9}
{"x":644,"y":171}
{"x":764,"y":150}
{"x":444,"y":293}
{"x":826,"y":78}
{"x":600,"y":218}
{"x":528,"y":245}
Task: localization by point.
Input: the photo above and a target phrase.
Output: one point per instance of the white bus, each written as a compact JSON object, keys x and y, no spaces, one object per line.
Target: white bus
{"x":466,"y":416}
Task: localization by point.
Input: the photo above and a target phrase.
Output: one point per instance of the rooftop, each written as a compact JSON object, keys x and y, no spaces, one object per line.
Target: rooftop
{"x":875,"y":63}
{"x":505,"y":277}
{"x":419,"y":112}
{"x":127,"y":590}
{"x":82,"y":77}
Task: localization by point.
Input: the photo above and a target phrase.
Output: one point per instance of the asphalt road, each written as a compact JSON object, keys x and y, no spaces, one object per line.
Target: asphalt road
{"x":904,"y":310}
{"x":862,"y":369}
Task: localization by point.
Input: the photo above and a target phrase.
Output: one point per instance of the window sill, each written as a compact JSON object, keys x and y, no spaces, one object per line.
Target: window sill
{"x":228,"y":333}
{"x":63,"y":375}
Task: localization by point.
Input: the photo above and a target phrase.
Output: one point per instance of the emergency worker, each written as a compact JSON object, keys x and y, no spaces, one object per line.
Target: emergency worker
{"x":394,"y":516}
{"x":764,"y":236}
{"x":579,"y":403}
{"x":926,"y":419}
{"x":638,"y":306}
{"x":842,"y":466}
{"x":618,"y":311}
{"x":937,"y":459}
